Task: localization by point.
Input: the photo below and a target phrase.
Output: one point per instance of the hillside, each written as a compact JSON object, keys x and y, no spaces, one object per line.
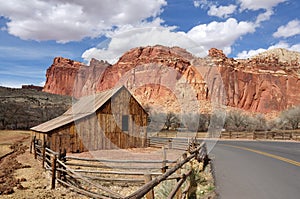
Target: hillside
{"x":172,"y":79}
{"x":24,"y":108}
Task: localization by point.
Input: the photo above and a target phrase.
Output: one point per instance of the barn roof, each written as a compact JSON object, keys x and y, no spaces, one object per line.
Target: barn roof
{"x":84,"y":107}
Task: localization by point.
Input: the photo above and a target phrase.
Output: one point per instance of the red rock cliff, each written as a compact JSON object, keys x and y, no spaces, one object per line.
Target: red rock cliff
{"x":165,"y":76}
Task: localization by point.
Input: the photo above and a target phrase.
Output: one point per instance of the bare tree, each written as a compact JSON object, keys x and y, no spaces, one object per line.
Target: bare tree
{"x":290,"y":118}
{"x":256,"y":122}
{"x":172,"y":120}
{"x":236,"y":121}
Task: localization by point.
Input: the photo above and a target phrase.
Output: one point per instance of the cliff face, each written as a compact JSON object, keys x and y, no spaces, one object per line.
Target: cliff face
{"x":267,"y":82}
{"x":171,"y":77}
{"x":61,"y":75}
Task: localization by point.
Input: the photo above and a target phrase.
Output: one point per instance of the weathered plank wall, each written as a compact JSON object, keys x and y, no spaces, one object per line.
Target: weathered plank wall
{"x":103,"y":129}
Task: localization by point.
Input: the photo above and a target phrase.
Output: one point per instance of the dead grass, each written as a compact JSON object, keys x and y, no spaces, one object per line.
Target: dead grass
{"x":8,"y":138}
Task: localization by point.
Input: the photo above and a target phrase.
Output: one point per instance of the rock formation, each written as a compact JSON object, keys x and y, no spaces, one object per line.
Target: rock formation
{"x":172,"y":78}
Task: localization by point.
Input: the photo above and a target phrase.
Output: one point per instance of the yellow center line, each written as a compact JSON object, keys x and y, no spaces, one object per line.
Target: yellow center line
{"x":266,"y":154}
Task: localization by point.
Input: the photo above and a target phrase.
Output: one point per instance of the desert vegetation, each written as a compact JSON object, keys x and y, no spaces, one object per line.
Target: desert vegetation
{"x":234,"y":120}
{"x":24,"y":108}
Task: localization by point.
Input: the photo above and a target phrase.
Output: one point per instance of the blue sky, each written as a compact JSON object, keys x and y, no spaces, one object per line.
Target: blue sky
{"x":33,"y":32}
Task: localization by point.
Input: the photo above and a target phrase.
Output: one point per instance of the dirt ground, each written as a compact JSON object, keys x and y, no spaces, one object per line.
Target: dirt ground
{"x":21,"y":176}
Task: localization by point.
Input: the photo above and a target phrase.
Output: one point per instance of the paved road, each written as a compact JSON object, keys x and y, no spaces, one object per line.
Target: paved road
{"x":257,"y":169}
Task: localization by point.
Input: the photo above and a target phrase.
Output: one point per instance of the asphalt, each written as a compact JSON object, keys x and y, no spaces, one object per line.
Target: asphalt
{"x":256,"y":169}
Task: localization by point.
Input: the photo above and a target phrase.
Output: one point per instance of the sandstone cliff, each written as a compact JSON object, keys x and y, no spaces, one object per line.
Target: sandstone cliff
{"x":172,"y":78}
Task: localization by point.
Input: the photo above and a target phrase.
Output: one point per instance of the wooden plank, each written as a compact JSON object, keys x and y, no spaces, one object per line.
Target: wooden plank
{"x":54,"y":159}
{"x":164,"y":158}
{"x":150,"y":194}
{"x":147,"y":187}
{"x":178,"y":185}
{"x":116,"y":161}
{"x":116,"y":172}
{"x":89,"y":182}
{"x":114,"y":166}
{"x":82,"y":191}
{"x":111,"y":179}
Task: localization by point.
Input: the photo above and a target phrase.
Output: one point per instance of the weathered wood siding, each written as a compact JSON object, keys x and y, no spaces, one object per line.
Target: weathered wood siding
{"x":103,"y":129}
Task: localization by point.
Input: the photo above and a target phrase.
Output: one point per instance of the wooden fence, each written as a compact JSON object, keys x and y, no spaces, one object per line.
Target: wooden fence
{"x":179,"y":139}
{"x":90,"y":177}
{"x":171,"y":143}
{"x":267,"y":135}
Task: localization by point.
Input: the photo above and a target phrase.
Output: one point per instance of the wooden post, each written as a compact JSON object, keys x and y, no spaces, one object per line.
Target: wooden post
{"x":44,"y":154}
{"x":230,"y":135}
{"x":59,"y":172}
{"x":170,"y":144}
{"x":254,"y":135}
{"x":31,"y":142}
{"x":179,"y":192}
{"x":53,"y":172}
{"x":164,"y":162}
{"x":34,"y":148}
{"x":150,"y":194}
{"x":145,"y":137}
{"x":177,"y":189}
{"x":63,"y":159}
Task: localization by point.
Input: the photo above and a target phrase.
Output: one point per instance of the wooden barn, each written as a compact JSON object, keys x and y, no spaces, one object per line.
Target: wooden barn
{"x":107,"y":120}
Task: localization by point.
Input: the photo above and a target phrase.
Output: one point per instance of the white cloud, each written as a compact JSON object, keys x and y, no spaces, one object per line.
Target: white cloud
{"x":11,"y":84}
{"x":221,"y":11}
{"x":197,"y":41}
{"x":259,"y":4}
{"x":281,"y":44}
{"x":197,"y":4}
{"x":73,"y":20}
{"x":123,"y":41}
{"x":264,"y":16}
{"x":247,"y":54}
{"x":220,"y":34}
{"x":200,"y":3}
{"x":255,"y":5}
{"x":289,"y":30}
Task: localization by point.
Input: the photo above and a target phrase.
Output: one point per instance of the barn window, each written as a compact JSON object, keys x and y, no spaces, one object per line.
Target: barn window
{"x":125,"y":122}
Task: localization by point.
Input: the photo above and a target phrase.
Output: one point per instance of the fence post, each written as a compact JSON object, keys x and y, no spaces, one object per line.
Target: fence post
{"x":44,"y":154}
{"x":266,"y":135}
{"x":150,"y":194}
{"x":179,"y":192}
{"x":170,"y":144}
{"x":34,"y":148}
{"x":32,"y":142}
{"x":53,"y":171}
{"x":58,"y":166}
{"x":63,"y":159}
{"x":164,"y":162}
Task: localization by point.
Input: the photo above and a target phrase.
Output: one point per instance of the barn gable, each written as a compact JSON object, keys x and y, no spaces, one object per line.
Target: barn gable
{"x":106,"y":120}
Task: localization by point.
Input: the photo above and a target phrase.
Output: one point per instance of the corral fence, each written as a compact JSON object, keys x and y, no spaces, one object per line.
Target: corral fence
{"x":91,"y":177}
{"x":179,"y":139}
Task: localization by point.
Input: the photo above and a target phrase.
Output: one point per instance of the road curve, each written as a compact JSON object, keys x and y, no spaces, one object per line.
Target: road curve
{"x":256,"y":169}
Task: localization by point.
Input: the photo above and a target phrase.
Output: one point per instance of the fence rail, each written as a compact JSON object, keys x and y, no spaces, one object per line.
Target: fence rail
{"x":179,"y":139}
{"x":268,"y":135}
{"x":88,"y":176}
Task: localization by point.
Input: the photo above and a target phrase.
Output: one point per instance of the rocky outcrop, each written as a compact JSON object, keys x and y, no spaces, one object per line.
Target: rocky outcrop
{"x":172,"y":78}
{"x":61,"y":75}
